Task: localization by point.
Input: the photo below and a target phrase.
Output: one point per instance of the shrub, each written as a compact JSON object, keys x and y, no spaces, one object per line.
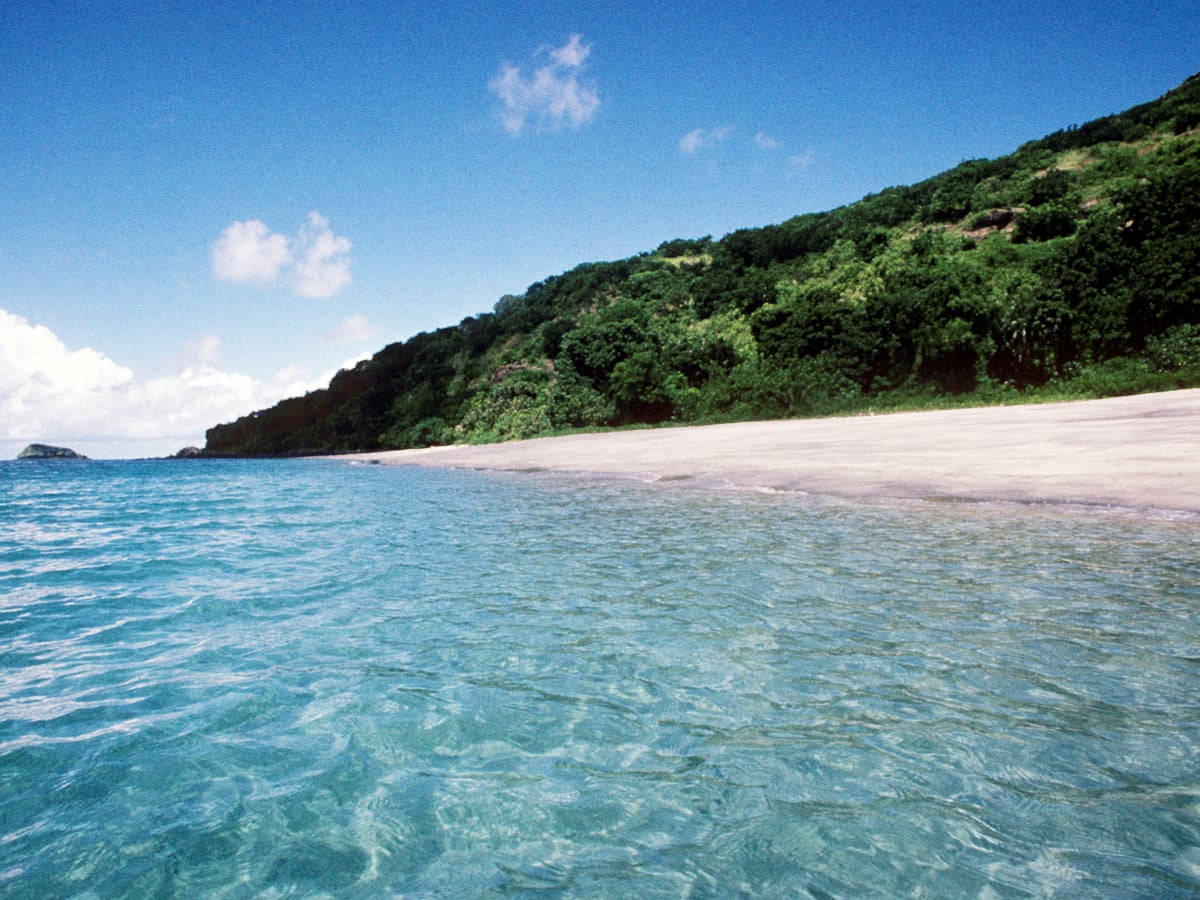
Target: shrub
{"x":1174,"y":349}
{"x":1042,"y":223}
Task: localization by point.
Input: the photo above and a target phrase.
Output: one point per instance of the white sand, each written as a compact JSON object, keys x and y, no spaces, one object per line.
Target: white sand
{"x":1140,"y":451}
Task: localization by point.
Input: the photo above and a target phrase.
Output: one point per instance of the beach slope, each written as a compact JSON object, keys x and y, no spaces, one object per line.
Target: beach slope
{"x":1138,"y":451}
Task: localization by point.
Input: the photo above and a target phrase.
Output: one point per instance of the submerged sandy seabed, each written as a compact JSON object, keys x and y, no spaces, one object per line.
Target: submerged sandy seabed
{"x":1140,"y":451}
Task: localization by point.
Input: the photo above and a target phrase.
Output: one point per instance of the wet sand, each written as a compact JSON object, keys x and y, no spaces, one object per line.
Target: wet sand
{"x":1140,"y":451}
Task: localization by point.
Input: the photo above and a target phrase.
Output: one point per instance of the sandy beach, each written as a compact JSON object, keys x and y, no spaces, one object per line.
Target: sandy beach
{"x":1141,"y":451}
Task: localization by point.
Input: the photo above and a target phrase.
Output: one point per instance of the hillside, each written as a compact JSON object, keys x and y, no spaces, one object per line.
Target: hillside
{"x":1070,"y":267}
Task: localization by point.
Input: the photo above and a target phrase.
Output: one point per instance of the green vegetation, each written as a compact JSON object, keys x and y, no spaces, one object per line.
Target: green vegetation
{"x":1070,"y":268}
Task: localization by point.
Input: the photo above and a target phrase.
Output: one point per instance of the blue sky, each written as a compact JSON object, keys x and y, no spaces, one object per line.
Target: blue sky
{"x":212,"y":205}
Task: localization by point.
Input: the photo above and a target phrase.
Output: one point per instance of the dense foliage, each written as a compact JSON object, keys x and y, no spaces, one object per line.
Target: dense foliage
{"x":1068,"y":268}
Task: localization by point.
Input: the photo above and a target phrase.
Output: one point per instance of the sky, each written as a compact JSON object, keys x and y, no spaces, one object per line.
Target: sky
{"x":210,"y":206}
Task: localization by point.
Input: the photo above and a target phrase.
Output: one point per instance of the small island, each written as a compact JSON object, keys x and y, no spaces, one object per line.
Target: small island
{"x":45,"y":451}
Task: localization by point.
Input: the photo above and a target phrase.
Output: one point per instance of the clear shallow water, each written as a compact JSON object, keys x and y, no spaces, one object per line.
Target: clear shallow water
{"x":308,"y":677}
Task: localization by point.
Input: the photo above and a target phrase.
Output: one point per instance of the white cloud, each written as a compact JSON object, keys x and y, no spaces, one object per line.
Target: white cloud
{"x":692,"y":141}
{"x":49,"y":392}
{"x":553,"y":96}
{"x":766,"y":142}
{"x":321,"y":267}
{"x":314,"y":262}
{"x":327,"y":376}
{"x":204,"y":350}
{"x":351,"y":330}
{"x":292,"y":383}
{"x":701,"y":138}
{"x":571,"y":54}
{"x":247,"y":251}
{"x":801,"y":160}
{"x":290,"y":375}
{"x":36,"y":367}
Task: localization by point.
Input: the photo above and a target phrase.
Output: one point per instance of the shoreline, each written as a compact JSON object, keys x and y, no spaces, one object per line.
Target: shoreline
{"x":1140,"y":451}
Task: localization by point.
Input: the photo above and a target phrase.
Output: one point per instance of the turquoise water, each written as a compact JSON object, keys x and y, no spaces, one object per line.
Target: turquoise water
{"x":308,"y":677}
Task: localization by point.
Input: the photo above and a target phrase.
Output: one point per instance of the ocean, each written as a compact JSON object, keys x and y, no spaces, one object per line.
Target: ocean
{"x":307,"y":677}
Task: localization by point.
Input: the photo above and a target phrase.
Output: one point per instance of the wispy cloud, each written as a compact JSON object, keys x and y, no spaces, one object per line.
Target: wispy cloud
{"x":766,"y":142}
{"x":204,"y":350}
{"x":553,"y":96}
{"x":692,"y":141}
{"x":803,"y":160}
{"x":702,"y":139}
{"x":351,"y":330}
{"x":314,"y":262}
{"x":572,"y":53}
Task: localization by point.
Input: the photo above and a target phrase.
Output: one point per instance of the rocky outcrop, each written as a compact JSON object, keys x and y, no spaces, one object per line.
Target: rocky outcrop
{"x":45,"y":451}
{"x":995,"y":220}
{"x":188,"y":453}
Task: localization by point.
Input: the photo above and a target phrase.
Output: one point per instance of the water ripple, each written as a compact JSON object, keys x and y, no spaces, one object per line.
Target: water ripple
{"x":305,"y":677}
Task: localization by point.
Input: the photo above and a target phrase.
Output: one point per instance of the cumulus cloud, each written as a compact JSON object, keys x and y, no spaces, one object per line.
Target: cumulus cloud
{"x":38,"y":372}
{"x":703,"y":138}
{"x":327,"y":376}
{"x":248,"y":251}
{"x":291,"y":381}
{"x":49,"y":392}
{"x":320,"y":268}
{"x":351,"y":330}
{"x":314,"y":262}
{"x":552,"y":96}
